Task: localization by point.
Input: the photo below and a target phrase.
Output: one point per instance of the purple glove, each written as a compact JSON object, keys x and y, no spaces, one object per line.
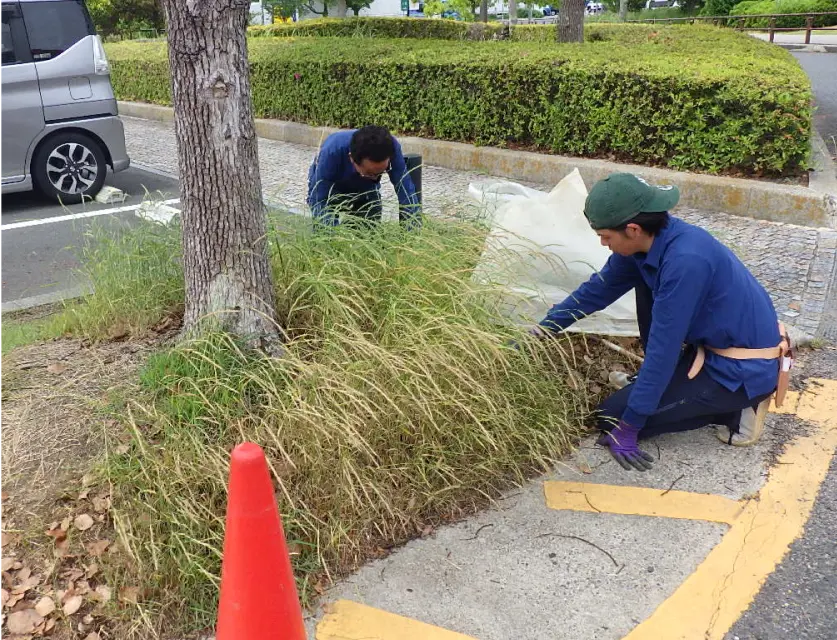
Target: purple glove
{"x":622,"y":442}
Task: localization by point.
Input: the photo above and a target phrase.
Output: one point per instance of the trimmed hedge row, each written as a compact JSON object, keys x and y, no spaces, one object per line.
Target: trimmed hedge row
{"x":691,"y":98}
{"x":434,"y":30}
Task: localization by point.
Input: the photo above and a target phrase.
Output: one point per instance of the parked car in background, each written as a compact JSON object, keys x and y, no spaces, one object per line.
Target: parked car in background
{"x":594,"y":8}
{"x":549,"y":11}
{"x":61,"y":128}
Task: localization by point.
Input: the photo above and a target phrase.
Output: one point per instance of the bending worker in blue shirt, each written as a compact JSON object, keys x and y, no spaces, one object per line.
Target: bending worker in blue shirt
{"x":345,"y":177}
{"x":691,"y":290}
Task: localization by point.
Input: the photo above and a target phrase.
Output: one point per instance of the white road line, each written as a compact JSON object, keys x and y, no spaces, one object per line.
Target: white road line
{"x":77,"y":216}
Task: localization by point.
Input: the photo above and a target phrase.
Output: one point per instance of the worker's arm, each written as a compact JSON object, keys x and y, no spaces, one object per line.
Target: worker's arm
{"x":617,"y":277}
{"x":321,"y":181}
{"x":682,"y":289}
{"x":408,"y":210}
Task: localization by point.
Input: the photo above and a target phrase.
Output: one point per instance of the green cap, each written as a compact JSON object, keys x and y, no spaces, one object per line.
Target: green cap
{"x":621,"y":196}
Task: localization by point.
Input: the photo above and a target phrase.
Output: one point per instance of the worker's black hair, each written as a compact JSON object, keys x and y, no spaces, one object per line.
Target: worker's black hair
{"x":375,"y":143}
{"x":650,"y":223}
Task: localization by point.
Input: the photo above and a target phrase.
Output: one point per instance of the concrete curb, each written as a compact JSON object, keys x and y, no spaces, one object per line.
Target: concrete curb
{"x":44,"y":299}
{"x":747,"y":198}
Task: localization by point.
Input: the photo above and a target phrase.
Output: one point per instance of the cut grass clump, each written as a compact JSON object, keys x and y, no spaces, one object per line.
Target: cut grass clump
{"x":398,"y":406}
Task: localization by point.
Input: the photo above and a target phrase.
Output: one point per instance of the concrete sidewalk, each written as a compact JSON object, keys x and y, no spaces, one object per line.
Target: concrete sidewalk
{"x":591,"y":552}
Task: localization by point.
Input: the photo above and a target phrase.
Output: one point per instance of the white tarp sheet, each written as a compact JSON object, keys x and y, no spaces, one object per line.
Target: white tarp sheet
{"x":541,"y":248}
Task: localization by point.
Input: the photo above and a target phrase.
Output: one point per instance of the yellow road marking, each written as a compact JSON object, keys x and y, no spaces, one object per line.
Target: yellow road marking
{"x":709,"y":602}
{"x":348,"y":620}
{"x":641,"y":501}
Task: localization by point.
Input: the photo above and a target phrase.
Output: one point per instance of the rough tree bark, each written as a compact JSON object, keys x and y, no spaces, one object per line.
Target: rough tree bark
{"x":484,"y":11}
{"x":512,"y":13}
{"x":571,"y":21}
{"x":341,"y":8}
{"x":623,"y":10}
{"x":225,"y":262}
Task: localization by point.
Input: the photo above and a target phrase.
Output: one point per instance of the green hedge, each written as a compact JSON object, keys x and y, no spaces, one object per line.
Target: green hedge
{"x":755,"y":7}
{"x":694,"y":97}
{"x":426,"y":29}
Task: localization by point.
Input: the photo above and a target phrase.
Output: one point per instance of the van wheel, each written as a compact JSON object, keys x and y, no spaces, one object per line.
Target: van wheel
{"x":69,"y":167}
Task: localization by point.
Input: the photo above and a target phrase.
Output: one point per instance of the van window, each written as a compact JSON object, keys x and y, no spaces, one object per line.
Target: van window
{"x":13,"y":47}
{"x":54,"y":27}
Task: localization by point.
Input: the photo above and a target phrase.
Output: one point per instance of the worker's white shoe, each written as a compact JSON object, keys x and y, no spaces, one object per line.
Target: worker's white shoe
{"x":750,"y":427}
{"x":620,"y":379}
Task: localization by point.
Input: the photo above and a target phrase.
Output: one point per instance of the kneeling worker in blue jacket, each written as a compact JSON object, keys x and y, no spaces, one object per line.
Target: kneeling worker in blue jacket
{"x":691,"y":291}
{"x":345,"y":177}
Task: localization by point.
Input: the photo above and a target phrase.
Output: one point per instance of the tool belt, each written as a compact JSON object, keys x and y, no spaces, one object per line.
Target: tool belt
{"x":783,"y":352}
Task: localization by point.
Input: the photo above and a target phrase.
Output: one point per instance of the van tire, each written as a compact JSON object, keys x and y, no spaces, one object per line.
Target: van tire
{"x":69,"y":167}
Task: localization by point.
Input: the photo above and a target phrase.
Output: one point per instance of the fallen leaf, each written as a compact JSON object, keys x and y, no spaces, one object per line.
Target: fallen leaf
{"x":4,"y":495}
{"x":22,"y":622}
{"x":49,"y":625}
{"x":27,"y":584}
{"x":73,"y":574}
{"x":5,"y":596}
{"x":7,"y":563}
{"x":57,"y":368}
{"x":58,"y":534}
{"x":97,"y":548}
{"x":72,"y":605}
{"x":24,"y":574}
{"x":22,"y":605}
{"x":122,"y":449}
{"x":103,"y":593}
{"x":6,"y":538}
{"x":83,"y":495}
{"x":88,"y":479}
{"x":584,"y":467}
{"x":88,"y":619}
{"x":91,"y":571}
{"x":62,"y":547}
{"x":83,"y":522}
{"x":129,"y":594}
{"x":65,"y":524}
{"x":45,"y":606}
{"x":92,"y":636}
{"x":83,"y":587}
{"x":101,"y":504}
{"x":426,"y":531}
{"x":14,"y":598}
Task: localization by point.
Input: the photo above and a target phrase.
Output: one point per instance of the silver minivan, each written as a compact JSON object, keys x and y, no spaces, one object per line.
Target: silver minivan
{"x":60,"y":124}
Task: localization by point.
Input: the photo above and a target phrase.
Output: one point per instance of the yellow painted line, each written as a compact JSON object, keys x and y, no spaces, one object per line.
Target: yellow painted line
{"x":641,"y":501}
{"x":348,"y":620}
{"x":709,"y":602}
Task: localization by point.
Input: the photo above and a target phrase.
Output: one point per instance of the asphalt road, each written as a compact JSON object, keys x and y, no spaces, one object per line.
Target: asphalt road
{"x":43,"y":241}
{"x":799,"y":599}
{"x":822,"y":69}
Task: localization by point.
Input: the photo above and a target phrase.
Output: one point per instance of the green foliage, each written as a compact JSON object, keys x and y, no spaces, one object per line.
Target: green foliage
{"x":384,"y":27}
{"x":123,"y":16}
{"x":717,"y":7}
{"x":754,"y":7}
{"x":688,"y":97}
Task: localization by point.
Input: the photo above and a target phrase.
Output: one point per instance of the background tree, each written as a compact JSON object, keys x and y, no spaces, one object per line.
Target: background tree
{"x":484,"y":11}
{"x":357,"y":5}
{"x":225,"y":262}
{"x":120,"y":16}
{"x":571,"y":21}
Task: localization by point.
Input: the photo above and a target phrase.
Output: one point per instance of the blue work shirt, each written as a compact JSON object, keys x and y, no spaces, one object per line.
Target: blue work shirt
{"x":332,"y":169}
{"x":702,"y":295}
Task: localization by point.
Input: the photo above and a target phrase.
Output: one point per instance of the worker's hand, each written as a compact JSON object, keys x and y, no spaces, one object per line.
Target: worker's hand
{"x":536,"y":332}
{"x":622,"y":443}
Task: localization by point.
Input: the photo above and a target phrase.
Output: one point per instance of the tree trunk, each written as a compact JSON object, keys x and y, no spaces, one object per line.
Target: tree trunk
{"x":571,"y":21}
{"x":623,"y":10}
{"x":341,"y":8}
{"x":512,"y":12}
{"x":484,"y":10}
{"x":225,"y":262}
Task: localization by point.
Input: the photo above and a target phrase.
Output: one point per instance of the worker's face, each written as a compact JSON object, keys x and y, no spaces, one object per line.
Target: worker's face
{"x":370,"y":169}
{"x":626,"y":243}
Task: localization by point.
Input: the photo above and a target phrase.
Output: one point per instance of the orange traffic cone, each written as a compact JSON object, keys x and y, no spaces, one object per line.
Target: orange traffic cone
{"x":258,"y":593}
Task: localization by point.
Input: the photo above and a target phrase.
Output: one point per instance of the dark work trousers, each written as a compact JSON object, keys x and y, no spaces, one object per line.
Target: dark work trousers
{"x":685,"y":404}
{"x":358,"y":199}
